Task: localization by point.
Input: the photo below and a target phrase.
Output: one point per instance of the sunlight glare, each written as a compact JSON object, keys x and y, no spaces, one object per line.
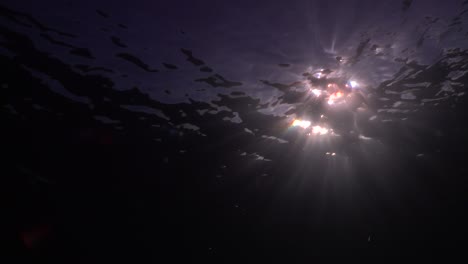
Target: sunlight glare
{"x":301,"y":123}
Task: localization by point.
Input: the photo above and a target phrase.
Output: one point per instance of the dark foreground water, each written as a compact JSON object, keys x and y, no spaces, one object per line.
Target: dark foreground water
{"x":158,"y":131}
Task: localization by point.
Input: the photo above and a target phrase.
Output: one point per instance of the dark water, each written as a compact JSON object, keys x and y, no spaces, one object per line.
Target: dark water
{"x":151,"y":131}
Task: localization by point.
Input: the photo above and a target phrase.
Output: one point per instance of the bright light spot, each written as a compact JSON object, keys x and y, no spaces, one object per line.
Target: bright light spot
{"x":353,"y":84}
{"x":334,"y":97}
{"x":321,"y":116}
{"x":316,"y":92}
{"x":319,"y":130}
{"x":333,"y":154}
{"x":364,"y":137}
{"x":301,"y":123}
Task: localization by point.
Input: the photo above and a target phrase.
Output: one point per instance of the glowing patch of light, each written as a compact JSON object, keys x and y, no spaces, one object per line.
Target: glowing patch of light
{"x":334,"y":97}
{"x":319,"y":130}
{"x":316,"y":92}
{"x":318,"y":75}
{"x":301,"y":123}
{"x":353,"y":84}
{"x":364,"y":137}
